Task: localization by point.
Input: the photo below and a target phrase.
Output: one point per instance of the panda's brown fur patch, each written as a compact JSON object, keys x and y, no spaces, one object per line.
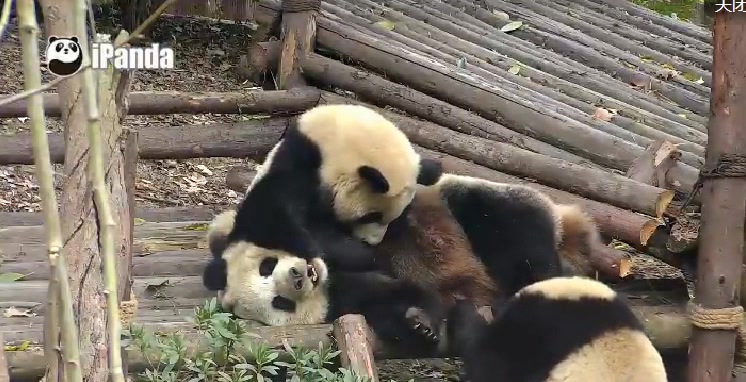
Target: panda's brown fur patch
{"x":579,"y":238}
{"x":434,"y":252}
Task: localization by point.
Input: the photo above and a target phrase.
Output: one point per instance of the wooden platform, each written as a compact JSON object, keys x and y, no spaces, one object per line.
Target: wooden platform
{"x":170,"y":253}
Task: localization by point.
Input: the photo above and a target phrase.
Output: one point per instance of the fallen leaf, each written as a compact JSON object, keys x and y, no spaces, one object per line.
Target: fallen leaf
{"x":196,"y":227}
{"x":23,"y":119}
{"x":700,"y":81}
{"x":509,"y":27}
{"x":22,"y":347}
{"x":156,"y":287}
{"x":232,"y":194}
{"x":501,"y":14}
{"x":10,"y":277}
{"x":204,"y":170}
{"x":385,"y":24}
{"x":604,"y":114}
{"x":691,"y":77}
{"x":138,"y":221}
{"x":15,"y":312}
{"x":514,"y":69}
{"x":666,"y":74}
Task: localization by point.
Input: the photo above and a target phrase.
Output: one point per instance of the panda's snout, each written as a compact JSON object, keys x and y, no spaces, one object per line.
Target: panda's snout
{"x":297,"y":278}
{"x":65,"y":50}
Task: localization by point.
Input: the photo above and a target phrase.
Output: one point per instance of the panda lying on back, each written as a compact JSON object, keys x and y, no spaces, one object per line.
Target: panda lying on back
{"x":276,"y":287}
{"x":565,"y":329}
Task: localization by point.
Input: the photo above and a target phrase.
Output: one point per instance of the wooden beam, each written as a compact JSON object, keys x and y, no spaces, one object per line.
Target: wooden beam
{"x":355,"y":344}
{"x":298,"y":36}
{"x":651,"y":167}
{"x":720,"y":254}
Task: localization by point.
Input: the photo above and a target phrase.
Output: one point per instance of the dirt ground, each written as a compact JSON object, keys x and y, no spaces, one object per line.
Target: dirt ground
{"x":206,"y":55}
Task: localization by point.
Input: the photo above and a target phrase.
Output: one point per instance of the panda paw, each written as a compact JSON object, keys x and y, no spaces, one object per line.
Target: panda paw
{"x":421,"y":323}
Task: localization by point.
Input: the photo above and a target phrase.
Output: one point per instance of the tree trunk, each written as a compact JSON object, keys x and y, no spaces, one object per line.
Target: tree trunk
{"x":720,"y":255}
{"x":237,"y":140}
{"x":173,"y":102}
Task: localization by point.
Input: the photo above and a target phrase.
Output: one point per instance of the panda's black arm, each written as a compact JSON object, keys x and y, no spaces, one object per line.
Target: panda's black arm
{"x":345,"y":253}
{"x":387,"y":304}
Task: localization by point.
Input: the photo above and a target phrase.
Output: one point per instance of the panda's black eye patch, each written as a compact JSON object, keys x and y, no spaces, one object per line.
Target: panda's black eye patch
{"x":58,"y":47}
{"x":372,"y":217}
{"x":267,"y":266}
{"x":73,"y":47}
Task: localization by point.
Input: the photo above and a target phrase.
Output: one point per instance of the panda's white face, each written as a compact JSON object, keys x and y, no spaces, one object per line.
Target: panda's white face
{"x":62,"y":49}
{"x":255,"y":276}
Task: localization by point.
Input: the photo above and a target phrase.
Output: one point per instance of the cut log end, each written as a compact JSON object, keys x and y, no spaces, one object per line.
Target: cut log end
{"x":354,"y":342}
{"x":648,"y":229}
{"x":661,"y":204}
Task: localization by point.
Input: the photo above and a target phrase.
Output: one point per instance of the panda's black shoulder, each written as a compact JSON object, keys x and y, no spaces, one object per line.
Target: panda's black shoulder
{"x":559,"y":326}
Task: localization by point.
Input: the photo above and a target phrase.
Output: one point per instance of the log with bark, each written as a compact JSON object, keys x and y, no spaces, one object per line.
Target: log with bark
{"x":436,"y":40}
{"x":164,"y":214}
{"x":277,"y":102}
{"x":721,"y":248}
{"x":546,"y":60}
{"x":360,"y":82}
{"x":593,"y":183}
{"x":472,"y":92}
{"x":251,"y":139}
{"x":588,"y":19}
{"x":600,"y":55}
{"x":355,"y":343}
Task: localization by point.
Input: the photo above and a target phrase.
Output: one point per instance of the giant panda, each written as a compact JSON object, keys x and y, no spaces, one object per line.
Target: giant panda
{"x":277,"y":287}
{"x":563,"y":329}
{"x":475,"y":238}
{"x":339,"y":172}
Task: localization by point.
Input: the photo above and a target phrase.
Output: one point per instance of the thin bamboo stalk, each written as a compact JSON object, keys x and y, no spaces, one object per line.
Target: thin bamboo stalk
{"x":97,"y":177}
{"x":32,"y":78}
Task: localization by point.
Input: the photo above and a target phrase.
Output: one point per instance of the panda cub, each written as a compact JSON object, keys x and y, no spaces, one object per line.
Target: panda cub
{"x":474,"y":238}
{"x":294,"y":285}
{"x":564,"y":329}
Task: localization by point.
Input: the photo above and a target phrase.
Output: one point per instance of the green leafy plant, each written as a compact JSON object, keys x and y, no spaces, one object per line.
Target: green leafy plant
{"x":226,"y":341}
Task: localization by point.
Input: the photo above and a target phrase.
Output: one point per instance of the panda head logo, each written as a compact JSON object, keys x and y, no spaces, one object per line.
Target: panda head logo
{"x":64,"y":55}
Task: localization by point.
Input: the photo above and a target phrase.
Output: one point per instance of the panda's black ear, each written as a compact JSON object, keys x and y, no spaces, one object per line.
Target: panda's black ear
{"x":75,"y":39}
{"x":375,"y":179}
{"x":430,"y":172}
{"x":53,"y":39}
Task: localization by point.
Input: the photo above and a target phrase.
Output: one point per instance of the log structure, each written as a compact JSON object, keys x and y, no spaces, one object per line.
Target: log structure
{"x":174,"y":102}
{"x":718,"y":314}
{"x":297,"y":36}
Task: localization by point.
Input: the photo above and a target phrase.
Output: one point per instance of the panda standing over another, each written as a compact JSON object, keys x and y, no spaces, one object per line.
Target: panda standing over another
{"x":339,"y":174}
{"x":564,"y":329}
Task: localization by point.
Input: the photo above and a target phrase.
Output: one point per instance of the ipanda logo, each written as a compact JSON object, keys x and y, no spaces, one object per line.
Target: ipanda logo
{"x":64,"y":56}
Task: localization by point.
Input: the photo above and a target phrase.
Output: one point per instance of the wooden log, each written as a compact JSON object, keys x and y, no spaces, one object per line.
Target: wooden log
{"x":651,"y":167}
{"x":298,"y":38}
{"x":171,"y":102}
{"x":237,"y":140}
{"x":720,"y":254}
{"x":238,"y":178}
{"x":354,"y":341}
{"x":4,"y":376}
{"x":23,"y":244}
{"x":600,"y":55}
{"x":464,"y":90}
{"x":154,"y":215}
{"x":382,"y":92}
{"x":669,"y":46}
{"x":651,"y":125}
{"x":593,"y":183}
{"x":619,"y":126}
{"x":529,"y":54}
{"x":648,"y":16}
{"x":189,"y":262}
{"x":144,"y":288}
{"x":166,"y":305}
